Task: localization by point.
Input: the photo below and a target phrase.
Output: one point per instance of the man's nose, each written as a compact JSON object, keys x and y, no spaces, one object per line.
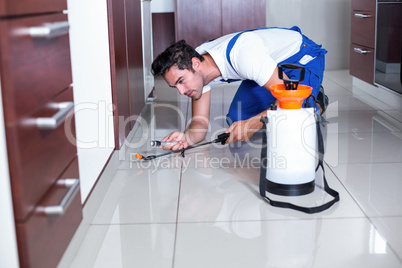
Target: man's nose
{"x":181,"y":89}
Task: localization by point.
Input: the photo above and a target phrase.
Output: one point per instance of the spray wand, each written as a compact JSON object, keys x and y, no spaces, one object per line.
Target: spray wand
{"x":220,"y":139}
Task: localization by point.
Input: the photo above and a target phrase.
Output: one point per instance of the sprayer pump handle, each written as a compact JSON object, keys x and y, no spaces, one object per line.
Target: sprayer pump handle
{"x":291,"y":84}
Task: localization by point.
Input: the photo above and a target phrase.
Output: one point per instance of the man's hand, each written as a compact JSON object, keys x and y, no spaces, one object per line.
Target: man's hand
{"x":178,"y":137}
{"x":243,"y":130}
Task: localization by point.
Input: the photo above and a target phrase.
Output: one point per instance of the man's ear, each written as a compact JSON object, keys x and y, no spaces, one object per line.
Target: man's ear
{"x":196,"y":63}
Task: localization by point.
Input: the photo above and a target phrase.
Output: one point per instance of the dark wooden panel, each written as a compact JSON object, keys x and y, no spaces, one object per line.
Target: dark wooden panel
{"x":33,"y":70}
{"x":363,"y":29}
{"x":367,"y":5}
{"x":38,"y":157}
{"x":163,"y":31}
{"x":198,"y":21}
{"x":42,"y":240}
{"x":135,"y":60}
{"x":239,"y":15}
{"x":119,"y":72}
{"x":362,"y":65}
{"x":19,"y":7}
{"x":389,"y":33}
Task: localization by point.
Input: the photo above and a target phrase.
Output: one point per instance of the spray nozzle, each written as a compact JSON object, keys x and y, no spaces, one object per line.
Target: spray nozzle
{"x":222,"y":138}
{"x":291,"y":84}
{"x":161,"y":143}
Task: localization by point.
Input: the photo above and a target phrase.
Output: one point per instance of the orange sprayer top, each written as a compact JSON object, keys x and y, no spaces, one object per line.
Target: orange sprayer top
{"x":290,"y":99}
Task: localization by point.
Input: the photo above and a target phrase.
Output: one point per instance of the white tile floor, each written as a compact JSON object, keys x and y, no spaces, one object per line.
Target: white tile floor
{"x":204,"y":210}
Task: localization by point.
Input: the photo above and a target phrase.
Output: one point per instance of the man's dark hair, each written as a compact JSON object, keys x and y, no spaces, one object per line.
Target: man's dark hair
{"x":179,"y":54}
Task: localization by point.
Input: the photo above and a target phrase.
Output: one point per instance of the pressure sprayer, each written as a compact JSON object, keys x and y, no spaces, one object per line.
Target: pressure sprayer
{"x":289,"y":153}
{"x":221,"y":138}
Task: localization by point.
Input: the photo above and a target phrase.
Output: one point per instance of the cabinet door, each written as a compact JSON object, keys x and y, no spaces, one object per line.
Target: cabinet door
{"x":362,"y":62}
{"x":363,"y":28}
{"x":198,"y":21}
{"x":118,"y":61}
{"x":126,"y":64}
{"x":38,"y":154}
{"x":366,"y":5}
{"x":134,"y":58}
{"x":22,"y":7}
{"x":239,"y":15}
{"x":42,"y":239}
{"x":34,"y":68}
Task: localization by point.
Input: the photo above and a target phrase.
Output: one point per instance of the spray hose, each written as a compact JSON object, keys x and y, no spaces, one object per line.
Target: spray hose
{"x":220,"y":139}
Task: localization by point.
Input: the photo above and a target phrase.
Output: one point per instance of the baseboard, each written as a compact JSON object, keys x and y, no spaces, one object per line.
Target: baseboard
{"x":385,"y":95}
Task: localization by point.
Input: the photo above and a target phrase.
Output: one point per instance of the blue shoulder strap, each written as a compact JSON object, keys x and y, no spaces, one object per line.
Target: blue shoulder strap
{"x":234,"y":39}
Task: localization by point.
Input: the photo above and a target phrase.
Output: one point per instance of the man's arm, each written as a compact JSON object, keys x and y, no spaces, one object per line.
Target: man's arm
{"x":197,"y":130}
{"x":243,"y":130}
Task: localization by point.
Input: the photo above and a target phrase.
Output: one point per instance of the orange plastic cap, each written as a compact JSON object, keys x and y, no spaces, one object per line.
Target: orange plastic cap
{"x":138,"y":156}
{"x":290,"y":99}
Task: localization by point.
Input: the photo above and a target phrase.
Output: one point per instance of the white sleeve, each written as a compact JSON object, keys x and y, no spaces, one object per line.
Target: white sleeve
{"x":251,"y":59}
{"x":206,"y":89}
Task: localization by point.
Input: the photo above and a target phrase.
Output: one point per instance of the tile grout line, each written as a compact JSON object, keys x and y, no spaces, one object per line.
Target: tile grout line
{"x":355,"y":200}
{"x":365,"y":214}
{"x":177,"y":219}
{"x":347,"y":190}
{"x":178,"y":204}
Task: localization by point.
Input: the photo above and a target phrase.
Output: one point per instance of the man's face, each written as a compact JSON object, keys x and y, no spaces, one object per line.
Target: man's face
{"x":185,"y":81}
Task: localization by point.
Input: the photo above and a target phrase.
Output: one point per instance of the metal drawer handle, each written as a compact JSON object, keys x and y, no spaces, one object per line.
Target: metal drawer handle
{"x":362,"y":16}
{"x":73,"y":184}
{"x":56,"y":120}
{"x":360,"y":51}
{"x":50,"y":30}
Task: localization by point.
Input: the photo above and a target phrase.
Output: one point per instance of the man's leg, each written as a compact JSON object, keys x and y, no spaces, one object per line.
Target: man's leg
{"x":322,"y":100}
{"x":250,"y":100}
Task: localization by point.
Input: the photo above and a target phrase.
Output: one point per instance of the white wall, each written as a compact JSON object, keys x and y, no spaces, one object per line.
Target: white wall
{"x":92,"y":88}
{"x":8,"y":241}
{"x":326,"y":22}
{"x":162,"y":6}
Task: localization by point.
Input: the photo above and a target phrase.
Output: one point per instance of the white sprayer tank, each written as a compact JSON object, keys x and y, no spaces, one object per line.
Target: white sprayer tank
{"x":291,"y":151}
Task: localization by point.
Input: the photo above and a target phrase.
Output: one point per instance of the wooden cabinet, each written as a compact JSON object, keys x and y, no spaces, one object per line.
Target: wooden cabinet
{"x":35,"y":74}
{"x":362,"y":47}
{"x":200,"y":21}
{"x":126,"y":65}
{"x":34,"y":69}
{"x":43,"y":239}
{"x":24,"y":7}
{"x":239,"y":15}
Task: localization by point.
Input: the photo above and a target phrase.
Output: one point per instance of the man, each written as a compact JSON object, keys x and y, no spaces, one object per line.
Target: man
{"x":251,"y":56}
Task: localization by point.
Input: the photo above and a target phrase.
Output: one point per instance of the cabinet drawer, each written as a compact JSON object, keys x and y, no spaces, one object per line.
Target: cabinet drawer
{"x":23,"y":7}
{"x":42,"y":239}
{"x":368,"y":5}
{"x":34,"y":69}
{"x":363,"y":28}
{"x":38,"y":155}
{"x":362,"y":65}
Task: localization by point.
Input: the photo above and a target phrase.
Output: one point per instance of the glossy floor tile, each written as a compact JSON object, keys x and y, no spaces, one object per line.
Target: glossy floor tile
{"x":390,"y":227}
{"x":291,"y":243}
{"x":203,"y":208}
{"x":364,"y":147}
{"x":144,"y":195}
{"x":105,"y":246}
{"x":231,"y":194}
{"x":376,"y":187}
